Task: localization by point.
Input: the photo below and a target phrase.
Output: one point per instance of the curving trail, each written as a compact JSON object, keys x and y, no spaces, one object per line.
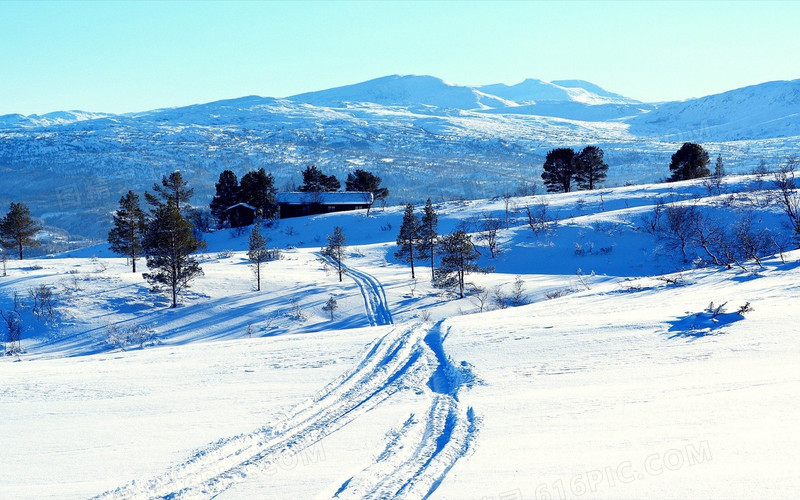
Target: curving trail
{"x":417,"y":455}
{"x":375,"y":303}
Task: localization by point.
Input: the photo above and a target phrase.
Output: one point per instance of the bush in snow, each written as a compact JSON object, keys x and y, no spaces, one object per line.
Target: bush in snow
{"x":122,"y":338}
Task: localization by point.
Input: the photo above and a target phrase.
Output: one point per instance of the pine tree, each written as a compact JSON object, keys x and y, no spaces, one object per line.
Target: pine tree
{"x":226,"y":196}
{"x":258,"y":190}
{"x":408,"y":237}
{"x":458,"y":257}
{"x":125,"y":237}
{"x":335,"y":249}
{"x":169,"y":244}
{"x":689,"y":162}
{"x":590,"y":169}
{"x":330,"y":306}
{"x":429,"y":224}
{"x":17,"y":228}
{"x":719,"y":167}
{"x":559,"y":170}
{"x":172,"y":191}
{"x":367,"y":182}
{"x":257,"y":252}
{"x":314,"y":181}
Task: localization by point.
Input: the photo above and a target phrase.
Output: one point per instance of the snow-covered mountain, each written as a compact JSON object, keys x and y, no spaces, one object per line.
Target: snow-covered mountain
{"x":768,"y":110}
{"x":413,"y":131}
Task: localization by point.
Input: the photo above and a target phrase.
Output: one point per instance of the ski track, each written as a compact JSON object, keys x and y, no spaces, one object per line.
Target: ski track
{"x":375,"y":303}
{"x":417,"y":455}
{"x":420,"y":453}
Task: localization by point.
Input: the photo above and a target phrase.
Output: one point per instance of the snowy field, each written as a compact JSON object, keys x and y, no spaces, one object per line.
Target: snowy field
{"x":611,"y":381}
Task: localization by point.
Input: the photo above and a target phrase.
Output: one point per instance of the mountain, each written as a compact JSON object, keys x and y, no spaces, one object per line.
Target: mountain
{"x":532,"y":91}
{"x":410,"y":91}
{"x":763,"y":111}
{"x":424,"y":137}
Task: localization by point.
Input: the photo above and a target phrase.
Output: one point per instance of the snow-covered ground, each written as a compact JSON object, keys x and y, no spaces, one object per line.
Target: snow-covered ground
{"x":621,"y":386}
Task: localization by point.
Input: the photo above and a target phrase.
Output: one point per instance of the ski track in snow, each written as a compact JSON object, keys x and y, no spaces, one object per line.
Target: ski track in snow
{"x":373,"y":293}
{"x":417,"y":457}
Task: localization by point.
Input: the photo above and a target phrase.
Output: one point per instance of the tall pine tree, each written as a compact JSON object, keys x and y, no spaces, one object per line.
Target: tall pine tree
{"x":429,"y":224}
{"x":335,"y":249}
{"x":590,"y":169}
{"x":314,"y":181}
{"x":169,"y":244}
{"x":689,"y":162}
{"x":408,"y":237}
{"x":559,"y":170}
{"x":258,"y":190}
{"x":226,"y":196}
{"x":17,"y":228}
{"x":125,"y":237}
{"x":367,"y":182}
{"x":458,"y":257}
{"x":174,"y":190}
{"x":257,"y":252}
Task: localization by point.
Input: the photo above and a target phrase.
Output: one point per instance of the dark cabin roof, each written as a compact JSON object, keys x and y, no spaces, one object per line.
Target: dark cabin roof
{"x":325,"y":198}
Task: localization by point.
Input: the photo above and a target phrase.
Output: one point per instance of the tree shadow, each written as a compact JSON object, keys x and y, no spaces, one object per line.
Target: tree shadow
{"x":695,"y":326}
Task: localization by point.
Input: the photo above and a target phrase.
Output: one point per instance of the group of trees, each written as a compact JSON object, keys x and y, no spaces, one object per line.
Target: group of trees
{"x":418,"y":239}
{"x":564,"y":169}
{"x":163,"y":235}
{"x":257,"y":189}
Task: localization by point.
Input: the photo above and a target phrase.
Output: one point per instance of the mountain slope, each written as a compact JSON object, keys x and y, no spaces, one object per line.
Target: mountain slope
{"x":761,"y":111}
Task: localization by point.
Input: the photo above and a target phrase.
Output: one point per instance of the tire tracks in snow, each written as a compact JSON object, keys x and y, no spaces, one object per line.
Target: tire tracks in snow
{"x":375,"y":303}
{"x":416,"y":459}
{"x":419,"y":454}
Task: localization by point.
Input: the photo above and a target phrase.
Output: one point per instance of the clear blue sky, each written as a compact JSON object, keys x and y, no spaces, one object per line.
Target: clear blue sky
{"x":135,"y":56}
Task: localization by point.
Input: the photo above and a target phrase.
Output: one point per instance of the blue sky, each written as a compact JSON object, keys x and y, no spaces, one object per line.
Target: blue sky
{"x":135,"y":56}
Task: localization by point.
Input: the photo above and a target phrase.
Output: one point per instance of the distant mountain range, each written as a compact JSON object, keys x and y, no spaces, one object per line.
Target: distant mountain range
{"x":422,"y":135}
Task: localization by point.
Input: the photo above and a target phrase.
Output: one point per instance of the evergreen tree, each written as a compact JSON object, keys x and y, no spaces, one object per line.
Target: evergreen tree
{"x":458,"y":257}
{"x":125,"y":237}
{"x":367,"y":182}
{"x":257,"y":252}
{"x":314,"y":181}
{"x":719,"y":167}
{"x":330,"y":306}
{"x":429,"y":224}
{"x":17,"y":228}
{"x":590,"y":169}
{"x":172,"y":191}
{"x":335,"y":249}
{"x":408,"y":237}
{"x":559,"y":170}
{"x":689,"y":162}
{"x":258,"y":190}
{"x":226,"y":196}
{"x":169,"y":244}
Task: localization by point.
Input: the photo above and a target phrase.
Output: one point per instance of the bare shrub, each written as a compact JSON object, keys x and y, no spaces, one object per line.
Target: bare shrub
{"x":518,"y":292}
{"x":558,"y":293}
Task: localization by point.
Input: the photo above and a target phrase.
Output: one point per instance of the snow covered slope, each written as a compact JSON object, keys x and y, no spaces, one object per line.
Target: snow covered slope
{"x":615,"y":381}
{"x":757,"y":112}
{"x":408,"y":91}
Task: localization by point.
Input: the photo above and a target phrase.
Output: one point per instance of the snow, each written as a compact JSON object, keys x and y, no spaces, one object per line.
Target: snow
{"x":484,"y":144}
{"x":623,"y":386}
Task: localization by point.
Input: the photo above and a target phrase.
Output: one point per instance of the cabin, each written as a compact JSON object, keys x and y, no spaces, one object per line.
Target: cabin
{"x":299,"y":204}
{"x":241,"y":214}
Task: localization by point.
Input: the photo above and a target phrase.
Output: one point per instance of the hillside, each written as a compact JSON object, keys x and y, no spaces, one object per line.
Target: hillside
{"x":612,"y":377}
{"x":71,"y":167}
